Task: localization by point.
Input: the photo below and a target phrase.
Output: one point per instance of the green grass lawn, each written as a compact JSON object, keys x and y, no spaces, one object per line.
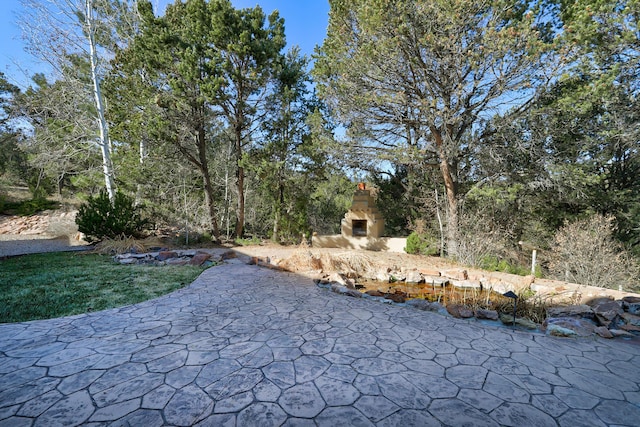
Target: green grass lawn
{"x":45,"y":286}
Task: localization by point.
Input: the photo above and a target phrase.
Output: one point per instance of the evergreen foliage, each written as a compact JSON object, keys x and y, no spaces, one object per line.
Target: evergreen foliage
{"x":100,"y":218}
{"x":488,"y":123}
{"x":421,"y":244}
{"x":413,"y":80}
{"x":27,"y":207}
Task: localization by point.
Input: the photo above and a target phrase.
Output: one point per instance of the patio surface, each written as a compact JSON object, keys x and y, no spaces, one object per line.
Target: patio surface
{"x":249,"y":346}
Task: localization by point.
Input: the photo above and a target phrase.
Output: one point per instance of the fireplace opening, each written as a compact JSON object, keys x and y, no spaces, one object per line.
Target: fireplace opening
{"x":359,"y":227}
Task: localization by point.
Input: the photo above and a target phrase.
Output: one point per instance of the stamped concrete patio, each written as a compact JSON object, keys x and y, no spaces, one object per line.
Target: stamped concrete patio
{"x":249,"y":346}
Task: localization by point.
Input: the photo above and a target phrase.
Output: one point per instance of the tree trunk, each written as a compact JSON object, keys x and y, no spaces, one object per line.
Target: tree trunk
{"x":105,"y":149}
{"x":142,"y":157}
{"x":208,"y":191}
{"x":240,"y":180}
{"x":277,"y":208}
{"x":206,"y":177}
{"x":440,"y":227}
{"x":276,"y":223}
{"x":453,"y":238}
{"x":452,"y":193}
{"x":226,"y":219}
{"x":240,"y":213}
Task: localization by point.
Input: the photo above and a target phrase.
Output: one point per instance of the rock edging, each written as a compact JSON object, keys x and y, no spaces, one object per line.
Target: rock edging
{"x":604,"y":317}
{"x":170,"y":257}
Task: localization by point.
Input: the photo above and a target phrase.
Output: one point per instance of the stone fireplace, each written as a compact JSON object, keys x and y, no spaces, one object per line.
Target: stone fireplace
{"x":361,"y":228}
{"x":363,"y":218}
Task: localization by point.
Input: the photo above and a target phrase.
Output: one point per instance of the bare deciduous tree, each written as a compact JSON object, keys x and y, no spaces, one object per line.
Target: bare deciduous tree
{"x":59,"y":32}
{"x":584,"y":252}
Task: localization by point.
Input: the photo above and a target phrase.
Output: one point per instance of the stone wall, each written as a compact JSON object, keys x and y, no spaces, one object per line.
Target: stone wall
{"x":389,"y":244}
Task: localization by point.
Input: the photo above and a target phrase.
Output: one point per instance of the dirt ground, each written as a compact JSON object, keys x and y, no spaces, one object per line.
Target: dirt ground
{"x":53,"y":231}
{"x":49,"y":231}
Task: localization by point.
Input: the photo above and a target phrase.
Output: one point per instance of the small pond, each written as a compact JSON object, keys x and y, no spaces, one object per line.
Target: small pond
{"x":444,"y":294}
{"x":475,"y":299}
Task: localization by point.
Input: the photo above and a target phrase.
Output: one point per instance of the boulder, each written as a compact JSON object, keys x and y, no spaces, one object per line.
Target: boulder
{"x":199,"y":258}
{"x":397,"y":296}
{"x":468,"y":284}
{"x":438,"y":307}
{"x":337,"y":278}
{"x":374,"y":293}
{"x":429,"y":272}
{"x":177,"y":261}
{"x":579,"y":327}
{"x":603,"y":332}
{"x":599,"y":300}
{"x":577,"y":311}
{"x":559,"y":331}
{"x":273,"y":260}
{"x":608,"y":313}
{"x":136,"y":255}
{"x":338,"y":288}
{"x":634,"y":308}
{"x":482,"y":313}
{"x":343,"y":290}
{"x":459,"y":311}
{"x":435,"y":281}
{"x":526,"y":323}
{"x":456,"y":274}
{"x":621,"y":333}
{"x":423,"y":304}
{"x":382,"y":276}
{"x":631,"y":319}
{"x":631,"y":304}
{"x":352,"y":293}
{"x":507,"y":319}
{"x":165,"y":255}
{"x":350,"y":283}
{"x":630,"y":328}
{"x":413,"y":276}
{"x":228,"y":255}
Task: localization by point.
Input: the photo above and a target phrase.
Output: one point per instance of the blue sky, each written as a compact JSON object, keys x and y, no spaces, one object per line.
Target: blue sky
{"x":305,"y":25}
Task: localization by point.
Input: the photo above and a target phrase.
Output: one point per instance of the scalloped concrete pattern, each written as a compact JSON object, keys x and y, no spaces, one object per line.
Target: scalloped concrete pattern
{"x":249,"y":346}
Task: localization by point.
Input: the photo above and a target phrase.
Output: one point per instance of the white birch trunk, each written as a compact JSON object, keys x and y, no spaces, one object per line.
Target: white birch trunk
{"x":105,"y":143}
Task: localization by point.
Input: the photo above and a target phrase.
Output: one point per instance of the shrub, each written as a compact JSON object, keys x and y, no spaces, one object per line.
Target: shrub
{"x":193,"y":238}
{"x":99,"y":218}
{"x":248,"y":241}
{"x":493,"y":263}
{"x":421,"y":244}
{"x":27,"y":207}
{"x":585,"y":252}
{"x":35,"y":205}
{"x":480,"y":239}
